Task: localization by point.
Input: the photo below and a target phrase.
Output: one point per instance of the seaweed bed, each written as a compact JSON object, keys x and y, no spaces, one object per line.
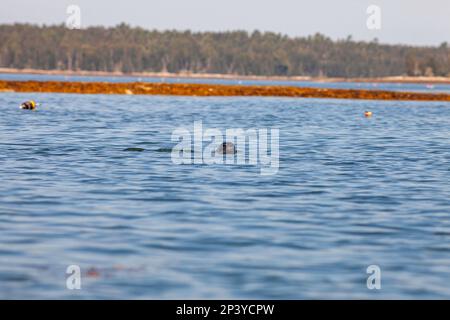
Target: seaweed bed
{"x":211,"y":90}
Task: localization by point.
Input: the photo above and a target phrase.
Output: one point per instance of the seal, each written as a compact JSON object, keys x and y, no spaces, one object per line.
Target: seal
{"x":226,"y":148}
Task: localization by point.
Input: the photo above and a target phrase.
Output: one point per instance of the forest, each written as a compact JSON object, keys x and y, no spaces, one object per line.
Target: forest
{"x":132,"y":49}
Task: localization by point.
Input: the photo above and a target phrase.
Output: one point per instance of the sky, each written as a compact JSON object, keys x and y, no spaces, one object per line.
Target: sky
{"x":416,"y":22}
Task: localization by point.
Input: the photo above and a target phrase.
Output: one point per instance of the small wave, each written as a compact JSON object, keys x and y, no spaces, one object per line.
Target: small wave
{"x":164,"y":150}
{"x":134,"y":149}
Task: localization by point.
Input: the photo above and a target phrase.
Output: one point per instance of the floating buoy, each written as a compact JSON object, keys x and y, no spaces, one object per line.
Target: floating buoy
{"x":28,"y":105}
{"x":368,"y":114}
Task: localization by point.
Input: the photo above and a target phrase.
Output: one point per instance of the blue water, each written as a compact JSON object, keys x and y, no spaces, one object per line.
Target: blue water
{"x":410,"y":87}
{"x":350,"y":192}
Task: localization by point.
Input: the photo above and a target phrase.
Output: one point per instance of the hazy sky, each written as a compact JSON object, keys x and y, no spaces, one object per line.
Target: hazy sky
{"x":403,"y":21}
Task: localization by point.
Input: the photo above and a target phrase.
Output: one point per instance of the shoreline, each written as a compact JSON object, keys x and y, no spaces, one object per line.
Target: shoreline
{"x":390,"y":79}
{"x":207,"y":90}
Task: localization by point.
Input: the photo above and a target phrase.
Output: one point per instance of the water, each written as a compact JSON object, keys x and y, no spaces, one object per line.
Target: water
{"x":350,"y":192}
{"x":410,"y":87}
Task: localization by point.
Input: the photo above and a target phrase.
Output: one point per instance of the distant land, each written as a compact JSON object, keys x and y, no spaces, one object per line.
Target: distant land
{"x":123,"y":50}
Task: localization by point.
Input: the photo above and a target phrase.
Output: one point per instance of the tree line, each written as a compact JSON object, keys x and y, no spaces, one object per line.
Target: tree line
{"x":126,"y":49}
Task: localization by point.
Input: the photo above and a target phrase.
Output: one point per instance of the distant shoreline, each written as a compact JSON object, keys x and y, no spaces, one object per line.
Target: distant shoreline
{"x":212,"y":90}
{"x":391,"y":79}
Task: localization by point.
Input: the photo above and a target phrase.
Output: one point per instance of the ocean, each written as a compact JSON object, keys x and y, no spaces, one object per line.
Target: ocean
{"x":90,"y":181}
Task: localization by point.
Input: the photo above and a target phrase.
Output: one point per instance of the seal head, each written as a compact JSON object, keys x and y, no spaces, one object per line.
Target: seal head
{"x":226,"y":148}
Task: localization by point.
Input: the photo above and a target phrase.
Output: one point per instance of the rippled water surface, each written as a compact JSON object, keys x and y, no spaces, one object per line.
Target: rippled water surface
{"x":350,"y":192}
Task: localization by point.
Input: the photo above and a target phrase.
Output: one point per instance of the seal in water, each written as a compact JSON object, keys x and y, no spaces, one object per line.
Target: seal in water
{"x":28,"y":105}
{"x":226,"y":148}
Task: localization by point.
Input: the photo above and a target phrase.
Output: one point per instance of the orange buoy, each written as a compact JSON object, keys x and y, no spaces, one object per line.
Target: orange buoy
{"x":368,"y":114}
